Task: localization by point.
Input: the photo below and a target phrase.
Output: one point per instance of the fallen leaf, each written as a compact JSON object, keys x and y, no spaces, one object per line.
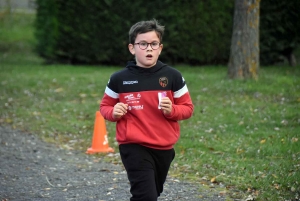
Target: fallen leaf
{"x":223,"y":193}
{"x":82,"y":95}
{"x":263,"y":141}
{"x":35,"y":113}
{"x":239,"y":151}
{"x":58,"y":90}
{"x":211,"y":148}
{"x":7,"y":120}
{"x":209,"y":130}
{"x":250,"y":198}
{"x":213,"y":180}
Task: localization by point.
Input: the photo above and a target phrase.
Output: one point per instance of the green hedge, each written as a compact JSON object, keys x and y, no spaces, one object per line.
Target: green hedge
{"x":279,"y":29}
{"x":47,"y":29}
{"x":96,"y":32}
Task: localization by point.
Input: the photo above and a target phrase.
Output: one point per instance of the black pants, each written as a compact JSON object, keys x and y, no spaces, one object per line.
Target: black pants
{"x":147,"y":170}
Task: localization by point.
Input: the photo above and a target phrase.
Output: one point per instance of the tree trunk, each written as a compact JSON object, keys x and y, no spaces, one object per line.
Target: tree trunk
{"x":244,"y":52}
{"x":289,"y":54}
{"x":292,"y":60}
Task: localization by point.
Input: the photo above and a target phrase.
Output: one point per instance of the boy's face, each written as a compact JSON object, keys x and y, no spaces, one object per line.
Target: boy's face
{"x":148,"y":57}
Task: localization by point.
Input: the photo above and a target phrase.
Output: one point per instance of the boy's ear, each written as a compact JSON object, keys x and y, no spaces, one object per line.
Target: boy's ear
{"x":161,"y":47}
{"x":131,"y":49}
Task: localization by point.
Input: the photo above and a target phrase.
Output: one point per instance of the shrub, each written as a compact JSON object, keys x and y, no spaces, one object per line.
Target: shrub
{"x":96,"y":32}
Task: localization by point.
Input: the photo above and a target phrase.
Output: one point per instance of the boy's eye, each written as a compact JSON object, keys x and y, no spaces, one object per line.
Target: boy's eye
{"x":154,"y":44}
{"x":143,"y":44}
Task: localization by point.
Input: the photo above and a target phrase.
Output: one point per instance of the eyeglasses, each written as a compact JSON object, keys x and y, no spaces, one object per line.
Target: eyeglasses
{"x":144,"y":45}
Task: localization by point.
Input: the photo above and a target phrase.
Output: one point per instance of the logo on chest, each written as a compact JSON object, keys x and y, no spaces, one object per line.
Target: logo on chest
{"x":132,"y":99}
{"x":163,"y":81}
{"x":130,"y":82}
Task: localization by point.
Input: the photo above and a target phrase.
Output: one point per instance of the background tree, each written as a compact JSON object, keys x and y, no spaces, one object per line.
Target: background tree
{"x":244,"y":52}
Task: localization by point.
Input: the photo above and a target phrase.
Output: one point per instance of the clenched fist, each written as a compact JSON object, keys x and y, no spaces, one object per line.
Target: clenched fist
{"x":120,"y":109}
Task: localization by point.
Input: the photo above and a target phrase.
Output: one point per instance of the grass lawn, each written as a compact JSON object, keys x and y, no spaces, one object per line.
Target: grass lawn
{"x":244,"y":135}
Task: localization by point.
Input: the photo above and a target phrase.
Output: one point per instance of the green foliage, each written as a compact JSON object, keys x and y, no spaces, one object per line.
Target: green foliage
{"x":94,"y":32}
{"x":47,"y":32}
{"x":279,"y":29}
{"x":76,"y":31}
{"x":198,"y":32}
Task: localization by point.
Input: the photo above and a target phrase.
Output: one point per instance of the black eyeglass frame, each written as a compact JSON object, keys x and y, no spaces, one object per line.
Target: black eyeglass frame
{"x":148,"y":45}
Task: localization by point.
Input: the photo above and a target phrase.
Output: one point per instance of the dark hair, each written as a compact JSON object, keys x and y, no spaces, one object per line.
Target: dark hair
{"x":144,"y":27}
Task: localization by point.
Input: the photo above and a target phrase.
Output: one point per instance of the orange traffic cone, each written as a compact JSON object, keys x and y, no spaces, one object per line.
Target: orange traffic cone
{"x":100,"y":141}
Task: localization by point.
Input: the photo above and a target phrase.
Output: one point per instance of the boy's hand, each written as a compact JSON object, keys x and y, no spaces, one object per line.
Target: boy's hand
{"x":166,"y":105}
{"x":120,"y":109}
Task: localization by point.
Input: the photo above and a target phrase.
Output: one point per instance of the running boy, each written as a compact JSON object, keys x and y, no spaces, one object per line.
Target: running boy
{"x":146,"y":99}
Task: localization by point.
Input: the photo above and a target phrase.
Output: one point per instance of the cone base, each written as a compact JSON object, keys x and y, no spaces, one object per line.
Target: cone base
{"x":103,"y":150}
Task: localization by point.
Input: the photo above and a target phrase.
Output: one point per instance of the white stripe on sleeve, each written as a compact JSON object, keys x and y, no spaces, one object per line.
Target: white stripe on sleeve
{"x":181,"y":92}
{"x":111,"y":93}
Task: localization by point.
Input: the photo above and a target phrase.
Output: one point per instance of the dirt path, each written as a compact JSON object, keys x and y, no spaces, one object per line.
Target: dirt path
{"x":31,"y":169}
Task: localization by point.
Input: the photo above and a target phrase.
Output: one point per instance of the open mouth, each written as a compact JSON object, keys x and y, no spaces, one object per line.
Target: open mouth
{"x":149,"y":56}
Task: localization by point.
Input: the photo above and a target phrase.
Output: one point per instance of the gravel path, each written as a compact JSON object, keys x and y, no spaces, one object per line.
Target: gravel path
{"x":31,"y":169}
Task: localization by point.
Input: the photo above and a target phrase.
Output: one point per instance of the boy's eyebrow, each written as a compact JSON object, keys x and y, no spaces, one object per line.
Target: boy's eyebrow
{"x":150,"y":42}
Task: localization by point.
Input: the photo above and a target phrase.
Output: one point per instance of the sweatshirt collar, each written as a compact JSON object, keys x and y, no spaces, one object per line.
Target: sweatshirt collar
{"x":131,"y":65}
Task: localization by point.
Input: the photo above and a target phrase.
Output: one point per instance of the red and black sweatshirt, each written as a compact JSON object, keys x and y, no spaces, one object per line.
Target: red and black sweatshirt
{"x":144,"y":123}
